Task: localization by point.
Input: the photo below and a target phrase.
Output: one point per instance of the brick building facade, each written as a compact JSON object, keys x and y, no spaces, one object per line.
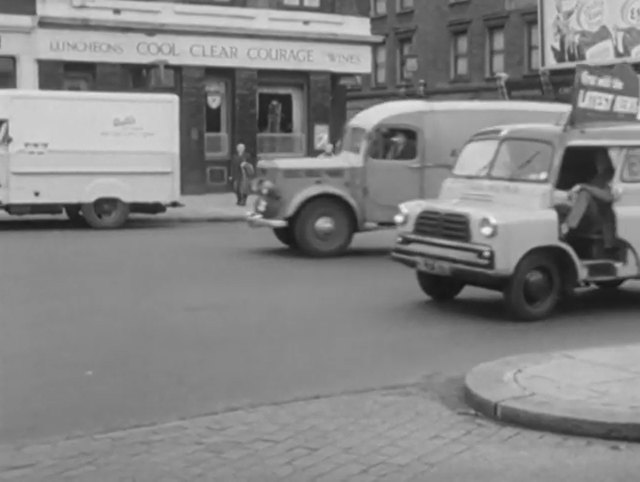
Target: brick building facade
{"x":460,"y":46}
{"x":267,"y":73}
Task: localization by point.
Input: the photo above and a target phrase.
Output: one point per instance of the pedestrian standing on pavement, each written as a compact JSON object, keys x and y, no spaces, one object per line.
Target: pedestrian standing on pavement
{"x":242,"y":172}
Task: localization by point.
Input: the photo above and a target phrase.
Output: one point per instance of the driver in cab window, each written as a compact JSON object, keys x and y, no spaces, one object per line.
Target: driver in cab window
{"x":401,"y":148}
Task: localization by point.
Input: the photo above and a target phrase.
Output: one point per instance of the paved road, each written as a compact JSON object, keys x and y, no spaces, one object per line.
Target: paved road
{"x":107,"y":330}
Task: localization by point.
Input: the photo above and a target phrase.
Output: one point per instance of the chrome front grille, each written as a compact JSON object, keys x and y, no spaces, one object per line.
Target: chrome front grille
{"x":435,"y":224}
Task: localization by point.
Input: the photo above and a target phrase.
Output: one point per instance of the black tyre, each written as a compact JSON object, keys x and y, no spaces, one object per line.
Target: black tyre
{"x":285,"y":236}
{"x":106,"y":213}
{"x":439,"y":288}
{"x":74,"y":213}
{"x":534,"y":289}
{"x":610,"y":285}
{"x":323,"y":228}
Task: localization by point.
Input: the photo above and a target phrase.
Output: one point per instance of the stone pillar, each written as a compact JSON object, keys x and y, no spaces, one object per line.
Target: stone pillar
{"x":192,"y":130}
{"x":245,"y":110}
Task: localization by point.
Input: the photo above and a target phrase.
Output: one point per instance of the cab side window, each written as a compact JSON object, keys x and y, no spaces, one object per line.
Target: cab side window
{"x":394,"y":144}
{"x":631,"y":169}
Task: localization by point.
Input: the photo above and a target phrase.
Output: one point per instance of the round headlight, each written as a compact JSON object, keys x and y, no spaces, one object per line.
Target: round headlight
{"x":488,"y":227}
{"x":266,"y":187}
{"x":402,"y":217}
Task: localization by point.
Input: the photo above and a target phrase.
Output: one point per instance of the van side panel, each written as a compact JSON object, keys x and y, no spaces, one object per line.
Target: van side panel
{"x":73,"y":149}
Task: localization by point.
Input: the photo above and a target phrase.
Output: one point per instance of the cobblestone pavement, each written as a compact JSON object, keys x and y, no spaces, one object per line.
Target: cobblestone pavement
{"x":394,"y":434}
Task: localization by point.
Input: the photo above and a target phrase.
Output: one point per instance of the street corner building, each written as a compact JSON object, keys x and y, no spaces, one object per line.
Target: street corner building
{"x":267,"y":73}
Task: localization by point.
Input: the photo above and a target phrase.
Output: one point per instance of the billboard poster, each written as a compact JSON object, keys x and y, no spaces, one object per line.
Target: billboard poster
{"x":605,"y":94}
{"x":593,"y":31}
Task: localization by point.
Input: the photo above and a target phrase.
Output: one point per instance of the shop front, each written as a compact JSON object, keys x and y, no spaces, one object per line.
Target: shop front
{"x":275,"y":96}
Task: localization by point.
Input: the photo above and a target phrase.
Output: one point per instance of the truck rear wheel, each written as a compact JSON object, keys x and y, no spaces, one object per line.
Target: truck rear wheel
{"x":74,"y":213}
{"x":439,"y":288}
{"x":534,"y":289}
{"x":106,"y":213}
{"x":323,"y":228}
{"x":285,"y":236}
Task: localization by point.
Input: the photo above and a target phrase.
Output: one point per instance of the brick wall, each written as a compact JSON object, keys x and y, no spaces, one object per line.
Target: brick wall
{"x":434,"y":21}
{"x":192,"y":130}
{"x":319,"y":104}
{"x":246,"y":109}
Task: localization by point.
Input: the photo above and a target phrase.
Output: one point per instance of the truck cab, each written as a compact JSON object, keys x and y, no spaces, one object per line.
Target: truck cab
{"x":389,"y":153}
{"x":501,"y":220}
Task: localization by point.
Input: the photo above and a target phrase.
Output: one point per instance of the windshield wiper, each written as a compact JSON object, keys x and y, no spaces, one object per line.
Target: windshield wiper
{"x":526,"y":163}
{"x":483,"y":170}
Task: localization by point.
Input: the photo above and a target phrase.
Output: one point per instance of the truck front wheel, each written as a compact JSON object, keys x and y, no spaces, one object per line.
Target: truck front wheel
{"x":106,"y":213}
{"x":285,"y":236}
{"x":439,"y":288}
{"x":535,"y":288}
{"x":323,"y":228}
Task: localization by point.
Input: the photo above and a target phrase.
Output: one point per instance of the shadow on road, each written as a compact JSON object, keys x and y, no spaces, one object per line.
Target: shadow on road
{"x":25,"y":225}
{"x":354,"y":253}
{"x":587,"y":301}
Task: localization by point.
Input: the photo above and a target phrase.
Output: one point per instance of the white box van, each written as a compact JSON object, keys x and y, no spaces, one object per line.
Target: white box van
{"x":97,"y":156}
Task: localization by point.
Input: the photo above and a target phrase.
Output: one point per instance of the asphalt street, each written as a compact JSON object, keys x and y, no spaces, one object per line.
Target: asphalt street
{"x":108,"y":330}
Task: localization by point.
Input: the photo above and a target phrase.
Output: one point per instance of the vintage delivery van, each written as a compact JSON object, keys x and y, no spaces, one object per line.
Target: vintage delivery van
{"x":98,"y":156}
{"x":390,"y":153}
{"x":500,"y":220}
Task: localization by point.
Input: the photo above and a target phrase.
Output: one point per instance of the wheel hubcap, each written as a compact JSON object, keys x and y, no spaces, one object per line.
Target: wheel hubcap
{"x":537,"y":286}
{"x":324,"y":226}
{"x":105,"y":209}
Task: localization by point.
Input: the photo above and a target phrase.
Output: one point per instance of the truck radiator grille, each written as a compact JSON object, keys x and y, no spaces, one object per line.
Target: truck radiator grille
{"x":454,"y":227}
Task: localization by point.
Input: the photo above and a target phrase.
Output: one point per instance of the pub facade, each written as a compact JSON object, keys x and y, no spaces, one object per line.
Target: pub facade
{"x":272,"y":79}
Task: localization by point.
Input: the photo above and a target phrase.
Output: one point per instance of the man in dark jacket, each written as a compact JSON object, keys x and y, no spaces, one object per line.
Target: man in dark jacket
{"x":241,"y":174}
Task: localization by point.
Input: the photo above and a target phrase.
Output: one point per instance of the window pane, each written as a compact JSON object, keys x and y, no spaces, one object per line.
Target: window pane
{"x":534,"y":59}
{"x":497,"y":63}
{"x":533,"y":35}
{"x":381,"y":74}
{"x":381,"y":54}
{"x":462,"y":66}
{"x":380,"y":6}
{"x":7,"y":73}
{"x":497,"y":39}
{"x":461,"y":44}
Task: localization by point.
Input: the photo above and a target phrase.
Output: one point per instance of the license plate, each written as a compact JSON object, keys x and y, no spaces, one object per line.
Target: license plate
{"x":434,"y":267}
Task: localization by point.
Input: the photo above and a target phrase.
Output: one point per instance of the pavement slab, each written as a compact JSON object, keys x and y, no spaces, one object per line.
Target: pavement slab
{"x":382,"y":435}
{"x":593,"y":392}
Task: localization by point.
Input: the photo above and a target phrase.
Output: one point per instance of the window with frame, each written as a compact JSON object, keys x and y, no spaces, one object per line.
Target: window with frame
{"x":404,"y":50}
{"x":380,"y":65}
{"x":79,"y":76}
{"x":495,"y":51}
{"x":379,"y":7}
{"x":402,"y":5}
{"x":460,"y":54}
{"x":8,"y":77}
{"x":281,"y":120}
{"x":533,"y":47}
{"x":301,"y":3}
{"x":142,"y":77}
{"x":631,"y":169}
{"x":394,"y":144}
{"x":216,"y":132}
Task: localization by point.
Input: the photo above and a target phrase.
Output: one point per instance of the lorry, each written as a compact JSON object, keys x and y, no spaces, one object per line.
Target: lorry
{"x":500,"y":220}
{"x":389,"y":153}
{"x":96,"y":156}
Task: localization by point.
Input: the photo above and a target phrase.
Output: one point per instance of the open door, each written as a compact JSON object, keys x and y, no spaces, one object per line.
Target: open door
{"x":627,"y":188}
{"x":393,"y":171}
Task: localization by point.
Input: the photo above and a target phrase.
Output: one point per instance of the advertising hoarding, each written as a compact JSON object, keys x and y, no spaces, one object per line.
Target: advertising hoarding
{"x":589,"y":31}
